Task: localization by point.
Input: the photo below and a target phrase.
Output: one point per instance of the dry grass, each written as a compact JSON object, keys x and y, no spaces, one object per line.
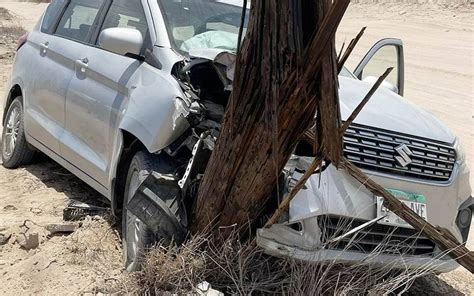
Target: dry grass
{"x":236,"y":268}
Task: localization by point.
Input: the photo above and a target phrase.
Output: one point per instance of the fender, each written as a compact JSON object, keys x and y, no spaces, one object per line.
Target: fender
{"x":152,"y":113}
{"x":13,"y":82}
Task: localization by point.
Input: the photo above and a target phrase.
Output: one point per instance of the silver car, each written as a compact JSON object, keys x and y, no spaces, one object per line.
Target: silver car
{"x":128,"y":95}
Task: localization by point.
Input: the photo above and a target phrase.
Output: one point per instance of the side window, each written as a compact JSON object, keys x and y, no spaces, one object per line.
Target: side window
{"x":126,"y":14}
{"x":51,"y":15}
{"x":78,"y":19}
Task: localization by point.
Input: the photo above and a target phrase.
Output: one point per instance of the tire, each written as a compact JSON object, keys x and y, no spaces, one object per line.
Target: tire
{"x":136,"y":236}
{"x":15,"y":151}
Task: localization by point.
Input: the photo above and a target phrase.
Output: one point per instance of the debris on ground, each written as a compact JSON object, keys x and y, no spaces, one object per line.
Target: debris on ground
{"x":36,"y":211}
{"x":76,"y":211}
{"x":62,"y":228}
{"x":4,"y":238}
{"x":205,"y":289}
{"x":9,"y":208}
{"x":28,"y":241}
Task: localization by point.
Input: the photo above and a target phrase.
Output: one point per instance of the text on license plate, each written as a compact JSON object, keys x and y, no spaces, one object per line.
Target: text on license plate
{"x":415,"y":201}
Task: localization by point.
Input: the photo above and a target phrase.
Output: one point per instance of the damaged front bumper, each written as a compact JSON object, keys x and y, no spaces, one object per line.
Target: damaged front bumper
{"x":333,"y":204}
{"x":277,"y":249}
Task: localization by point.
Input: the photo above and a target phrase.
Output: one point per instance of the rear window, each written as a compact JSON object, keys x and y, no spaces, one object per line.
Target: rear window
{"x":76,"y":22}
{"x":51,"y":15}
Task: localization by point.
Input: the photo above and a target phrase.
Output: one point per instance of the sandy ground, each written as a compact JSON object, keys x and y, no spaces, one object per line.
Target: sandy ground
{"x":87,"y":261}
{"x":439,"y":77}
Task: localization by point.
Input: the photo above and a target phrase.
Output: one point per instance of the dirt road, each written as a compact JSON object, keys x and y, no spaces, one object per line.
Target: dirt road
{"x":439,"y":74}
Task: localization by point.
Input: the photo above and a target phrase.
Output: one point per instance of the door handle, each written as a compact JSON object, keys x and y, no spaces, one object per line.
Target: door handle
{"x":44,"y":47}
{"x":82,"y":65}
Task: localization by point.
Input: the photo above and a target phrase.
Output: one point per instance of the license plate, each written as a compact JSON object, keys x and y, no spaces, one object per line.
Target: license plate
{"x":415,"y":201}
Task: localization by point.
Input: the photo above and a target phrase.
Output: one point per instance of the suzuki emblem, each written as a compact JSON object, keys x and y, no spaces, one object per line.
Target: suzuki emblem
{"x":405,"y":153}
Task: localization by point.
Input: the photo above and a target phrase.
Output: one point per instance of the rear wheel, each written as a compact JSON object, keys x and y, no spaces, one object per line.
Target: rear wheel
{"x":14,"y":149}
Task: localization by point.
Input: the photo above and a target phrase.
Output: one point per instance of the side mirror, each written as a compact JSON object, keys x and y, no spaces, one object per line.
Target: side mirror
{"x":122,"y":41}
{"x":384,"y":54}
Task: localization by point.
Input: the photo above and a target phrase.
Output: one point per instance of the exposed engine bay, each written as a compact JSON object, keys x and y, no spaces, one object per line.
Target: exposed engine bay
{"x":207,"y":87}
{"x":164,"y":203}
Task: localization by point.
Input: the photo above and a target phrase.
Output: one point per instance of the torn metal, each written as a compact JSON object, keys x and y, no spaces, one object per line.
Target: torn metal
{"x":163,"y":202}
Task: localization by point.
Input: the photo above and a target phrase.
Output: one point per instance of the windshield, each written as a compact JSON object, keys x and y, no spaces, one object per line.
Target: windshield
{"x":198,"y":24}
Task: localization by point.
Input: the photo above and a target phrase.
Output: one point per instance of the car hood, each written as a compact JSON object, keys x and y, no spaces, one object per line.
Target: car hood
{"x":387,"y":110}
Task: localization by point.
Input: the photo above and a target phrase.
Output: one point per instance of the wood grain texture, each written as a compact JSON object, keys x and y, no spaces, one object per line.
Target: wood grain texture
{"x":285,"y":59}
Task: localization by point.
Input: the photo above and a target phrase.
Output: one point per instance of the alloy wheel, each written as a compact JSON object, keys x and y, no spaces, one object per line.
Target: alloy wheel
{"x":12,"y":129}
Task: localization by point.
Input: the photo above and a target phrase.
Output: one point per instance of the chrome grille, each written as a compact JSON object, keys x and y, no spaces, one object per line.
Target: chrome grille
{"x":374,"y":149}
{"x":377,"y":237}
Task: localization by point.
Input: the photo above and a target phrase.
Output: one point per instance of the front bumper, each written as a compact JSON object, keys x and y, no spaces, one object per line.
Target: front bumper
{"x":335,"y":193}
{"x":436,"y":264}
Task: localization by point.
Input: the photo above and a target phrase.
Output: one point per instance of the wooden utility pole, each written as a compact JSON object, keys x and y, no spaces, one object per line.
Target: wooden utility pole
{"x":285,"y":73}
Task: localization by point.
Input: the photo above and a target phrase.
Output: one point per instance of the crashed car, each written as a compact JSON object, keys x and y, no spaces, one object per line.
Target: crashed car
{"x":129,"y":96}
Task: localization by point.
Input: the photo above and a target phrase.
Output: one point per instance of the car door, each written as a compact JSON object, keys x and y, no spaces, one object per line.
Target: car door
{"x":49,"y":77}
{"x":99,"y":87}
{"x":384,"y":54}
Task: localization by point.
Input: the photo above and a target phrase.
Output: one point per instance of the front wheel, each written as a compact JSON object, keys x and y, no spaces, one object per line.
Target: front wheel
{"x":136,"y":236}
{"x":15,"y":150}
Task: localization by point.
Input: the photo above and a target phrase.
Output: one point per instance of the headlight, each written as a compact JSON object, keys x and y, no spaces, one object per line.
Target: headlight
{"x":460,"y":156}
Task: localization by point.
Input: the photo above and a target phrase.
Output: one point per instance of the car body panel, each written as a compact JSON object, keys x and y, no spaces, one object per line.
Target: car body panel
{"x":106,"y":192}
{"x":389,"y":111}
{"x":98,"y":89}
{"x":437,"y":264}
{"x":150,"y":113}
{"x":45,"y":96}
{"x":335,"y":192}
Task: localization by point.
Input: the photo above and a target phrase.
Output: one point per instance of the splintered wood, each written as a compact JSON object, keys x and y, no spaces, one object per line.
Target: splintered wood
{"x":287,"y":71}
{"x":285,"y":75}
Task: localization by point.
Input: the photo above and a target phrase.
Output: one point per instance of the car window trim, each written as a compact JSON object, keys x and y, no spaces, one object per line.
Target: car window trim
{"x":100,"y":23}
{"x":89,"y":35}
{"x":55,"y":24}
{"x":168,"y":30}
{"x":150,"y":22}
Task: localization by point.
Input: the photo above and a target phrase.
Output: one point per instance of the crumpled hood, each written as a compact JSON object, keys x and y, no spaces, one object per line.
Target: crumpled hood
{"x":387,"y":110}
